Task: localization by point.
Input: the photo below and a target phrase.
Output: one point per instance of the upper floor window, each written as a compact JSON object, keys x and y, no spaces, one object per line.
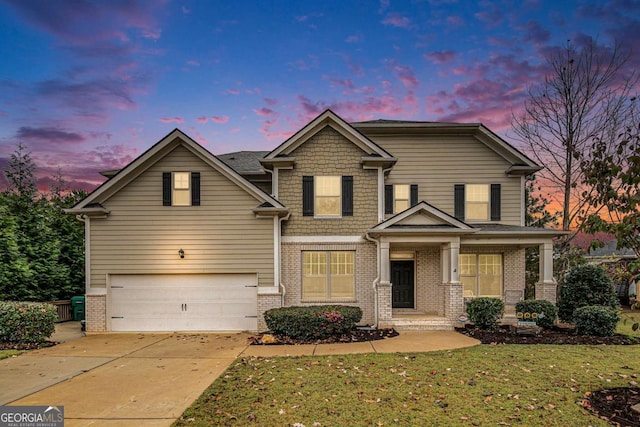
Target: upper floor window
{"x":181,"y":188}
{"x":400,"y":197}
{"x":327,"y":196}
{"x":477,"y":202}
{"x":481,"y":275}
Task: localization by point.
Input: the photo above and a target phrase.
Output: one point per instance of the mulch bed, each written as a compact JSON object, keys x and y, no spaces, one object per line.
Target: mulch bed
{"x":355,"y":335}
{"x":558,"y":335}
{"x":25,"y":346}
{"x":614,"y":405}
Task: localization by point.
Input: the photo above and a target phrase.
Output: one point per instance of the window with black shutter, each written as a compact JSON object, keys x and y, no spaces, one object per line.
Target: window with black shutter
{"x":307,"y":196}
{"x":347,"y":196}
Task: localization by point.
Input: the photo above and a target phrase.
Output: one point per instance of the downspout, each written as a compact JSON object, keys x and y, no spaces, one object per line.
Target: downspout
{"x":376,"y":280}
{"x":87,"y":251}
{"x":279,"y":231}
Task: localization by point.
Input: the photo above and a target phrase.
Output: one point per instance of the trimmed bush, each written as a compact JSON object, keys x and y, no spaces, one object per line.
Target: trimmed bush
{"x":596,"y":320}
{"x":539,"y":306}
{"x":26,"y":322}
{"x":312,"y":323}
{"x":584,"y":285}
{"x":485,"y":312}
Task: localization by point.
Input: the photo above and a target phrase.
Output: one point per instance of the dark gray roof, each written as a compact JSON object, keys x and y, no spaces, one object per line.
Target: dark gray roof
{"x":504,"y":228}
{"x":400,"y":122}
{"x":244,"y":162}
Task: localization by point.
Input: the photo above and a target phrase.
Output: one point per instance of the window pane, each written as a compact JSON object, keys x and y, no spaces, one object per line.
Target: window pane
{"x":490,"y":286}
{"x":328,"y":185}
{"x":314,"y":288}
{"x":400,"y":205}
{"x":181,"y":180}
{"x":401,"y":191}
{"x":328,"y":189}
{"x":342,"y":287}
{"x":328,"y":206}
{"x":342,"y":275}
{"x":468,"y":286}
{"x":314,"y":275}
{"x":467,"y":264}
{"x":477,"y":193}
{"x":477,"y":211}
{"x":181,"y":198}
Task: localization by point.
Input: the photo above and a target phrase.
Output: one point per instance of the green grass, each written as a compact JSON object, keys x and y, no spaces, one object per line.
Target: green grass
{"x":528,"y":385}
{"x":8,"y":353}
{"x":625,"y":325}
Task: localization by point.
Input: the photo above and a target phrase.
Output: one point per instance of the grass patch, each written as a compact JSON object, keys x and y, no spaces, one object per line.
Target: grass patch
{"x":8,"y":353}
{"x":529,"y":385}
{"x":627,"y":319}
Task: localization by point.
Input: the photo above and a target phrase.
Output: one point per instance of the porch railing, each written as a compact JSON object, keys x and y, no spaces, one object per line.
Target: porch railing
{"x":65,"y":312}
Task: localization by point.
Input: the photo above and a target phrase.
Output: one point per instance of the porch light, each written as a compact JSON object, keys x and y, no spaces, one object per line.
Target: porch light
{"x":181,"y":253}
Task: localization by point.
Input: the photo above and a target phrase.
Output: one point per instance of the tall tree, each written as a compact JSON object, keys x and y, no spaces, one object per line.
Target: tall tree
{"x":616,"y":177}
{"x":585,"y":94}
{"x":20,"y":174}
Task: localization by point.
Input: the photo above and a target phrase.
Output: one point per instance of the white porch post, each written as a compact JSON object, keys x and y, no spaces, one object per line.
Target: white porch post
{"x":546,"y":288}
{"x":452,"y":288}
{"x":385,"y":311}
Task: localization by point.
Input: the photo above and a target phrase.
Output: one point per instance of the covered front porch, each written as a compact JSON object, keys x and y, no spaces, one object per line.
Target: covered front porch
{"x":430,"y":265}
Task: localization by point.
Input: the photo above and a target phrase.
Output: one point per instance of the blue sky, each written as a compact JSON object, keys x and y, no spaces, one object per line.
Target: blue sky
{"x":89,"y":85}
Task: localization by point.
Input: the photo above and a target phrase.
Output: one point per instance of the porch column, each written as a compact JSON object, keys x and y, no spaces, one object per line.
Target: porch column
{"x":453,"y":300}
{"x":384,"y":287}
{"x":546,"y":288}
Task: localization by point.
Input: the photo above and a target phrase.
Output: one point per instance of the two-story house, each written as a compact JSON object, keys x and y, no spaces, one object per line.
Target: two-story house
{"x":406,"y":220}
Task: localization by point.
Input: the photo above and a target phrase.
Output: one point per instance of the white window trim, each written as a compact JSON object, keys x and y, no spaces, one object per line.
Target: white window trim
{"x":477,"y":275}
{"x":327,"y":297}
{"x":467,"y":203}
{"x":174,"y":189}
{"x":395,"y":198}
{"x":315,"y":198}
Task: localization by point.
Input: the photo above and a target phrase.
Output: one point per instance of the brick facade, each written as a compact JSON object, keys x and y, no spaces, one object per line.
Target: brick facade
{"x":96,"y":313}
{"x":328,"y":153}
{"x":267,"y":302}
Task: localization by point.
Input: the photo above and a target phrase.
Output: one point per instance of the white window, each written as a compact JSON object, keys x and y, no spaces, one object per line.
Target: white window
{"x":481,"y":275}
{"x":328,"y":200}
{"x":328,"y":275}
{"x":181,"y":189}
{"x":401,"y":197}
{"x":477,"y":202}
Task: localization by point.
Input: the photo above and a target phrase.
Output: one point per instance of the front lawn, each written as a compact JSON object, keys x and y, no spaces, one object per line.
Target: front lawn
{"x":8,"y":353}
{"x":529,"y":385}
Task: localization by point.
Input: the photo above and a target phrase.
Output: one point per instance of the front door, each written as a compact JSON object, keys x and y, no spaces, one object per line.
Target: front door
{"x":402,"y":280}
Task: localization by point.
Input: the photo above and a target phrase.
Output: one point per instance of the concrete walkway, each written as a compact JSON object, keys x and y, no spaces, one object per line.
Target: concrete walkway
{"x":150,"y":379}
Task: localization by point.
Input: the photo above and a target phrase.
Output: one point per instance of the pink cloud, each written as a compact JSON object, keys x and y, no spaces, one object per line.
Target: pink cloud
{"x":442,"y":57}
{"x":186,"y":10}
{"x":220,"y":119}
{"x":233,"y":91}
{"x":354,"y":38}
{"x":202,"y":119}
{"x":264,"y":111}
{"x":48,"y":134}
{"x":397,"y":20}
{"x":406,"y":75}
{"x":172,"y":120}
{"x":455,"y":20}
{"x":193,"y":63}
{"x":270,"y":102}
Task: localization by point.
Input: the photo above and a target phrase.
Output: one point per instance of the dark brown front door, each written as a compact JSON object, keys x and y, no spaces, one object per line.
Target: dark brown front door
{"x":402,"y":280}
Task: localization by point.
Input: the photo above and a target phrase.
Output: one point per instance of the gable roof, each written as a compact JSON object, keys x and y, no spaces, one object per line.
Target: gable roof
{"x":163,"y":147}
{"x":424,"y":217}
{"x":521,"y":164}
{"x":245,"y":162}
{"x":328,"y":118}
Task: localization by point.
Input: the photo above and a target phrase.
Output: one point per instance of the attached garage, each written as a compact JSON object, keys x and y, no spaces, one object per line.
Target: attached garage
{"x":187,"y":302}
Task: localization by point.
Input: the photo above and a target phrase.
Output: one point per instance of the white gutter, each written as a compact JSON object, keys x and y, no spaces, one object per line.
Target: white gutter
{"x":277,"y":254}
{"x":376,"y":280}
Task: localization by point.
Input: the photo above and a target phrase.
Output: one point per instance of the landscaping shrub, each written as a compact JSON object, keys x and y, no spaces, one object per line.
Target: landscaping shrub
{"x":26,"y":322}
{"x":538,"y":306}
{"x":584,"y":285}
{"x":485,"y":312}
{"x":597,"y":320}
{"x":315,"y":322}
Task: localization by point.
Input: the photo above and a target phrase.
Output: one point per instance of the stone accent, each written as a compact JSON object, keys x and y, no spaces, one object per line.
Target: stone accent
{"x":366,"y":272}
{"x":96,"y":313}
{"x":267,"y":302}
{"x":547,"y":291}
{"x":329,"y":153}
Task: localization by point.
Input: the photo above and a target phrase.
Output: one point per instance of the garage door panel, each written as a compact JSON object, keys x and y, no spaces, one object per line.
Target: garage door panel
{"x":184,"y":302}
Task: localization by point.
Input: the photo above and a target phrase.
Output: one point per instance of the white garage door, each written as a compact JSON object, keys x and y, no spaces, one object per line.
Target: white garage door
{"x":190,"y":302}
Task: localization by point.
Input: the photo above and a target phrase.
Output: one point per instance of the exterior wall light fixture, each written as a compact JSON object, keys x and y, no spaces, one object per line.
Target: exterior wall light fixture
{"x":181,"y":253}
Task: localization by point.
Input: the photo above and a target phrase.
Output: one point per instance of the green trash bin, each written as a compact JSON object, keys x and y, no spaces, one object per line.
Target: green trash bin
{"x":77,"y":305}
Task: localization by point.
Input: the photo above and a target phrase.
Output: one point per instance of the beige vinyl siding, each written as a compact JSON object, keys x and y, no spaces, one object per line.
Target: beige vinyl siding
{"x":140,"y":236}
{"x":437,"y":163}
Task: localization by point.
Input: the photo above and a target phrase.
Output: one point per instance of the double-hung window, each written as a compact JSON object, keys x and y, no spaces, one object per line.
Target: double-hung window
{"x":328,"y":275}
{"x":181,"y":188}
{"x":477,"y":202}
{"x":481,"y":275}
{"x":399,"y":197}
{"x":327,"y":196}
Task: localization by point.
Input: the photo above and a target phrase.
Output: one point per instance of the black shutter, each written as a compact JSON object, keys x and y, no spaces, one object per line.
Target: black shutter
{"x":166,"y":188}
{"x":414,"y":194}
{"x":347,"y":196}
{"x":307,"y":196}
{"x":458,"y":201}
{"x":495,"y":202}
{"x":388,"y":199}
{"x":195,"y":188}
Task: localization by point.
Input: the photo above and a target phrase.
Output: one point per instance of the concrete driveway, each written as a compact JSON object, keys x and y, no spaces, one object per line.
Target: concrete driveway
{"x":120,"y":379}
{"x":150,"y":379}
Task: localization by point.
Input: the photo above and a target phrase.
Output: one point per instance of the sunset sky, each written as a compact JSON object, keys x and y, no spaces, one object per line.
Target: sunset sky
{"x":89,"y":85}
